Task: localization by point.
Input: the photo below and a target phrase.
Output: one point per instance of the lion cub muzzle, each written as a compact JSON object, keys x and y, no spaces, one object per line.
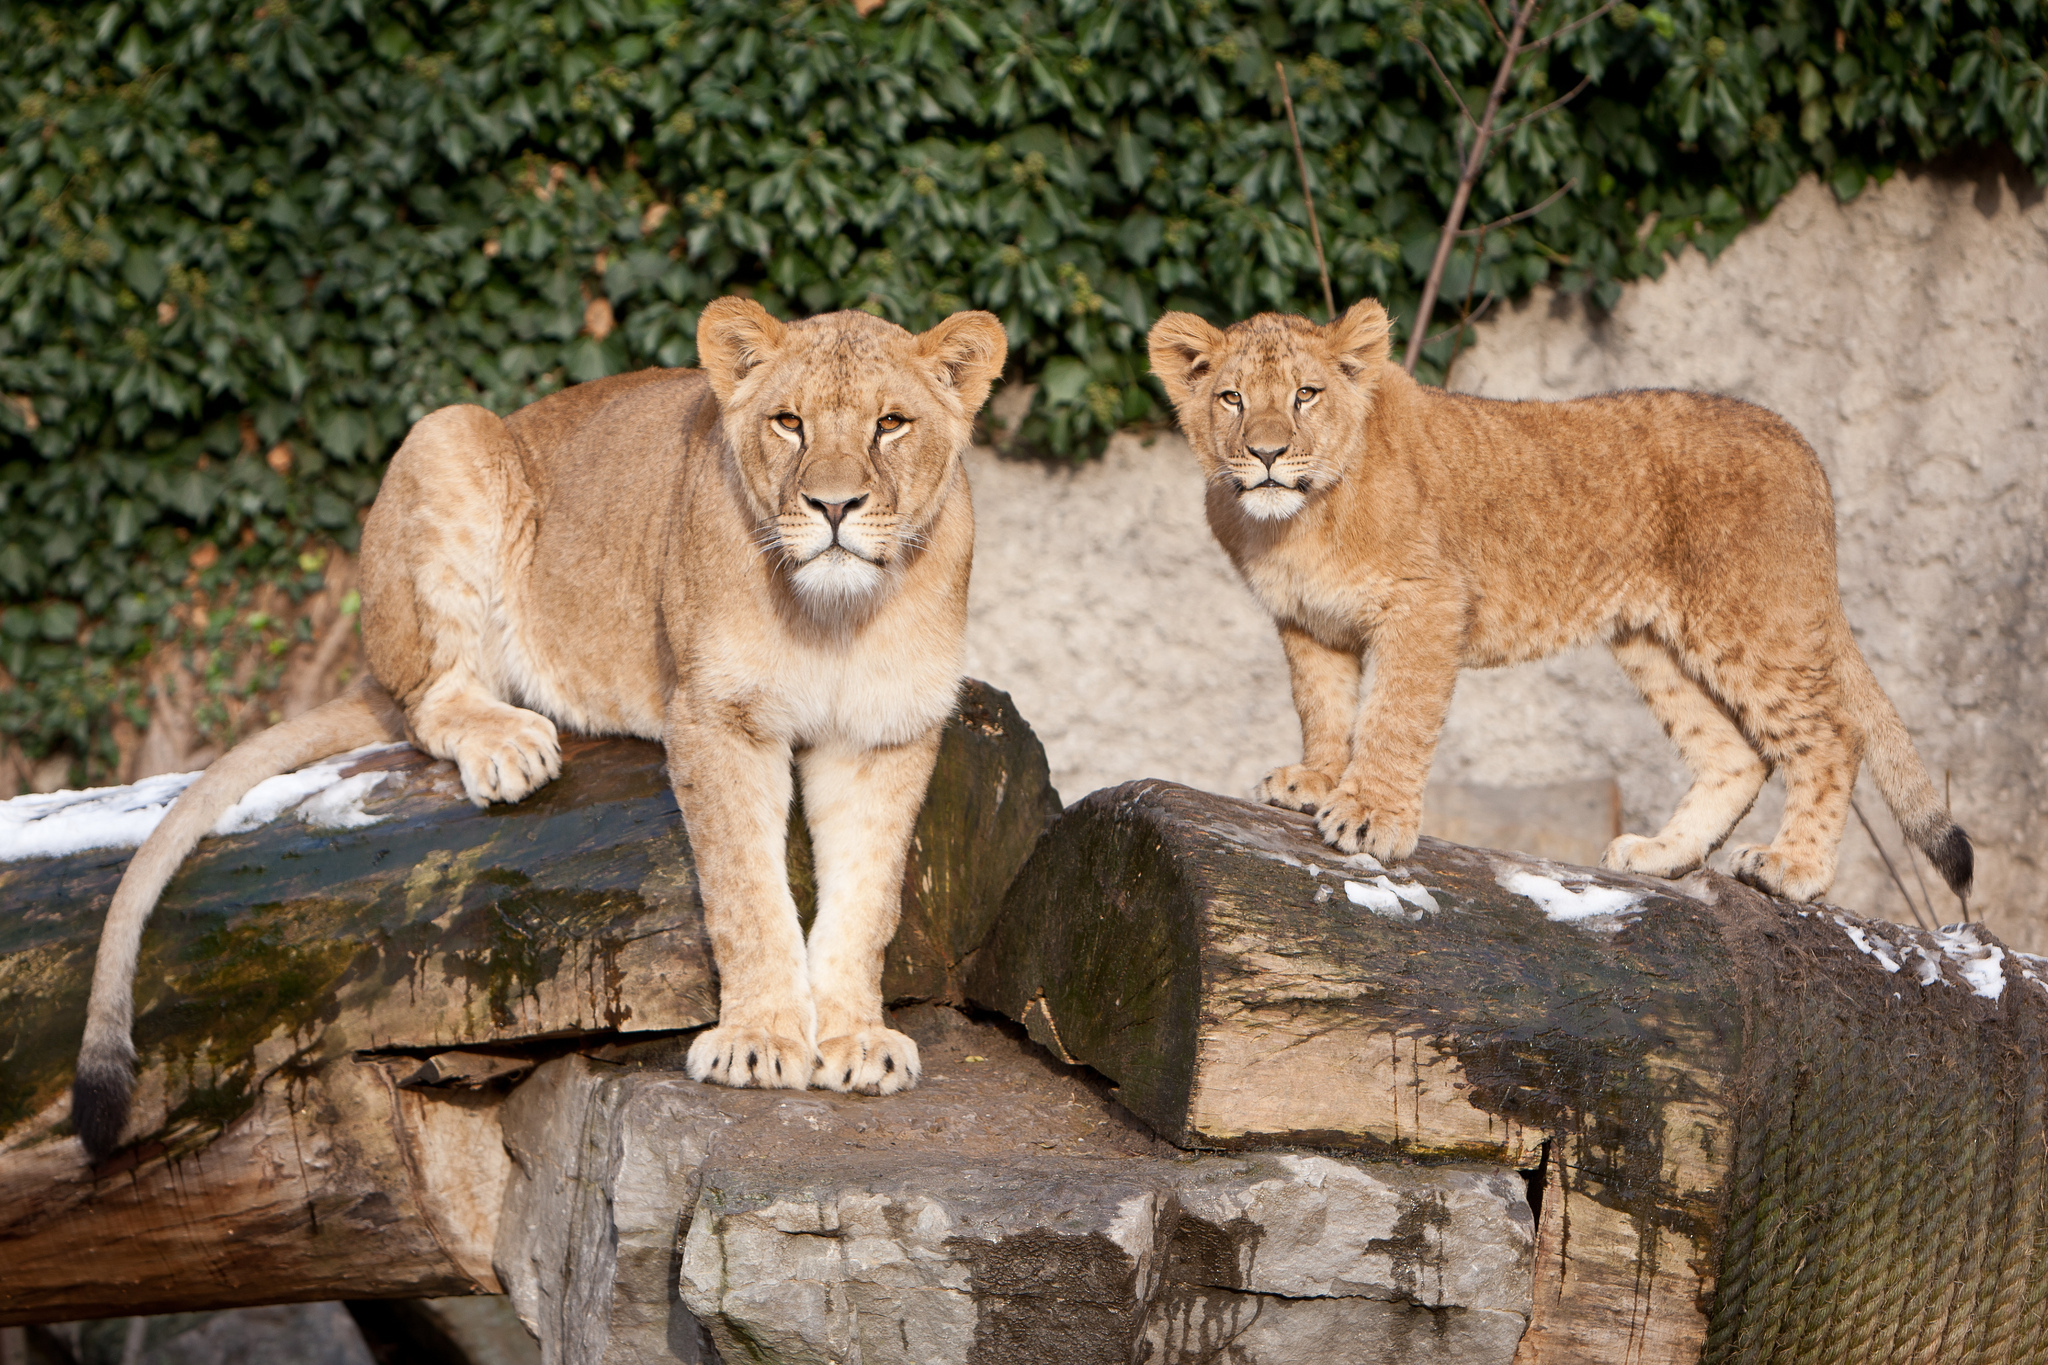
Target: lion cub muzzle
{"x":1270,"y":486}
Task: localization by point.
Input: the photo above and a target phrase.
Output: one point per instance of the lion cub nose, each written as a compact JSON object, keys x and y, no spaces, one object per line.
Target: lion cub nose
{"x":835,"y":512}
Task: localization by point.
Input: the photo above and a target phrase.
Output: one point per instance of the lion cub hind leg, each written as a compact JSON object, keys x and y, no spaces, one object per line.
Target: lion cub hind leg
{"x":734,"y":792}
{"x":438,"y":556}
{"x":862,"y":805}
{"x":1727,"y":773}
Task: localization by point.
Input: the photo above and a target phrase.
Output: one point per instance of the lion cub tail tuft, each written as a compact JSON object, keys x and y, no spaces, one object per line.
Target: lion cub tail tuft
{"x":105,"y":1079}
{"x":1896,"y":768}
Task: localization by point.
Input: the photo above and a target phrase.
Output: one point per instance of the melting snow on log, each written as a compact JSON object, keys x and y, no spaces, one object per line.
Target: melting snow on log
{"x":1384,"y":896}
{"x":1980,"y":964}
{"x":1572,"y":904}
{"x":59,"y":823}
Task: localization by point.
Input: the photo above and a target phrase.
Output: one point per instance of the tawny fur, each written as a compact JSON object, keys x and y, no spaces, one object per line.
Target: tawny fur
{"x":1694,"y":535}
{"x":762,"y":564}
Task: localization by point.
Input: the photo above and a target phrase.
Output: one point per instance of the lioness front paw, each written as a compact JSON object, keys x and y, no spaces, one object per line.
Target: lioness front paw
{"x":874,"y":1061}
{"x":1351,"y":824}
{"x":506,"y":755}
{"x":1659,"y":857}
{"x":750,"y":1057}
{"x":1769,"y":870}
{"x":1295,"y":787}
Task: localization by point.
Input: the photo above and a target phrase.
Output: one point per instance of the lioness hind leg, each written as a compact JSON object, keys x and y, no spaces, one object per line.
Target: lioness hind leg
{"x":861,"y":805}
{"x":1727,"y":773}
{"x":438,"y":553}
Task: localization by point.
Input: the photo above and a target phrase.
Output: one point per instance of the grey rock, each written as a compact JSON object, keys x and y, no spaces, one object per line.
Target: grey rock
{"x":1004,"y":1211}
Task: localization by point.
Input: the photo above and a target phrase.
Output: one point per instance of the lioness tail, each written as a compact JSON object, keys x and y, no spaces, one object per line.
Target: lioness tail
{"x":1896,"y":768}
{"x":364,"y":714}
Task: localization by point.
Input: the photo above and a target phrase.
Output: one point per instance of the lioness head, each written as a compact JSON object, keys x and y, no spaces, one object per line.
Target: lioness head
{"x":1273,"y":404}
{"x":848,"y":432}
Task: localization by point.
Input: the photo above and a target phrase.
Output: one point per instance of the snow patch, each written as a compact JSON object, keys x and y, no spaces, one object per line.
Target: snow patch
{"x":1572,"y":904}
{"x":1866,"y":947}
{"x":1383,"y":896}
{"x":61,"y":823}
{"x":1981,"y":964}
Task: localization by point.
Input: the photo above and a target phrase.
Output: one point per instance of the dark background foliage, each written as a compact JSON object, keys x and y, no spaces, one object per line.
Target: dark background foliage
{"x":244,"y":243}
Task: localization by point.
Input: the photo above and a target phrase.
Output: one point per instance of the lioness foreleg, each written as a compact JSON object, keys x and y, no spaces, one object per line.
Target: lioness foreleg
{"x":1325,"y":685}
{"x":734,"y":789}
{"x":861,"y":804}
{"x":1377,"y":805}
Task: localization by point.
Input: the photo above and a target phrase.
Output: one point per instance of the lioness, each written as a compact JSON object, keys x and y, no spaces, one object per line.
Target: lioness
{"x":1692,"y":534}
{"x":761,"y":561}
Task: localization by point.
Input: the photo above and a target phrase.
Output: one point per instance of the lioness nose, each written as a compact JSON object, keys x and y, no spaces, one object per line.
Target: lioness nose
{"x":836,"y":511}
{"x":1267,"y":454}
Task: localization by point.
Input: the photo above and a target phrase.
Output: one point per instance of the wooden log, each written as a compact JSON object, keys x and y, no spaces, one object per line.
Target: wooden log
{"x":294,"y":979}
{"x":1639,"y":1047}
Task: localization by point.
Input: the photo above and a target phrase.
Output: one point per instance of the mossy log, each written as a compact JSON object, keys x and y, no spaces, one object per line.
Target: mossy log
{"x":1710,"y":1085}
{"x":294,"y":980}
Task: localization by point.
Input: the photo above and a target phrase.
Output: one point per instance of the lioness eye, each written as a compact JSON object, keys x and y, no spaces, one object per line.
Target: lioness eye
{"x":1232,"y":397}
{"x":1303,"y":394}
{"x":788,"y":421}
{"x":893,"y":422}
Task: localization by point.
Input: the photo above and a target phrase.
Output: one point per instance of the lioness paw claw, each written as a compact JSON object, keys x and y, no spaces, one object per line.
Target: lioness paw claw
{"x":873,"y":1061}
{"x":509,"y":758}
{"x":1295,"y":787}
{"x":1350,"y":824}
{"x":749,"y":1058}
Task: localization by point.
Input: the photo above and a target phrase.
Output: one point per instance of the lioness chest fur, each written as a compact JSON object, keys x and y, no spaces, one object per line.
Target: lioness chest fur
{"x":763,"y":565}
{"x":1381,"y":520}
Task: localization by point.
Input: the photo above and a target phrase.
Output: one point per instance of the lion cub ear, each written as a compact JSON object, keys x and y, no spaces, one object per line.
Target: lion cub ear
{"x":1183,"y":347}
{"x":733,"y":336}
{"x":969,"y":350}
{"x":1359,"y":340}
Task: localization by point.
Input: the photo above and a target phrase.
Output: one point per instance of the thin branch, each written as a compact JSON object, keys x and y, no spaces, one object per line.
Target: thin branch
{"x":1486,"y":9}
{"x":1560,"y":192}
{"x":1919,"y":880}
{"x":1547,"y":39}
{"x":1897,"y":880}
{"x":1524,"y":12}
{"x":1462,"y":323}
{"x":1463,"y":108}
{"x":1301,"y":164}
{"x":1576,"y":91}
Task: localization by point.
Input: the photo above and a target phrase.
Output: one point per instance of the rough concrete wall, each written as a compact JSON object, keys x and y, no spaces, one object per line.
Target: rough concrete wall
{"x":1902,"y":333}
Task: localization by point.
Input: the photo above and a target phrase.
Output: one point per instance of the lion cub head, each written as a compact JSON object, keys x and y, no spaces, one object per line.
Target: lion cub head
{"x":1274,"y":405}
{"x":848,"y":432}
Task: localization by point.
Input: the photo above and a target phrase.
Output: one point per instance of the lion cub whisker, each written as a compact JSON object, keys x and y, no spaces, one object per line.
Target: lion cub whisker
{"x":1427,"y":531}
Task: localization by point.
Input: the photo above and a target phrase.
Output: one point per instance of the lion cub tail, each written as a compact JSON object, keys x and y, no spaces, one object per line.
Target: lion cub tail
{"x":364,"y":714}
{"x":1896,"y":768}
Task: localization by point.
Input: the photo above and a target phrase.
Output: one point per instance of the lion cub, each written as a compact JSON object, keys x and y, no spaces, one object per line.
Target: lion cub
{"x":1692,"y":534}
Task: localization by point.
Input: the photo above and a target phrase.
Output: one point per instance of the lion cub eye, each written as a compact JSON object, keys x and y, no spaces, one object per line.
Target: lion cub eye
{"x":895,"y":421}
{"x":1232,"y":397}
{"x":788,"y":421}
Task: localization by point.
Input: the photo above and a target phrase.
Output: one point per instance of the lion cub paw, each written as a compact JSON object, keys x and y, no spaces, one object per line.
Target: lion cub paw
{"x":507,"y":756}
{"x":873,"y":1061}
{"x":1295,"y":787}
{"x":749,"y":1057}
{"x":1659,"y":857}
{"x":1771,"y":871}
{"x":1351,"y":824}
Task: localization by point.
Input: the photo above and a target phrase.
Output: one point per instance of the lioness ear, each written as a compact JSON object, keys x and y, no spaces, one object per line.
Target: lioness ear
{"x":1359,"y":340}
{"x":1183,"y":347}
{"x":969,"y":350}
{"x":733,"y":336}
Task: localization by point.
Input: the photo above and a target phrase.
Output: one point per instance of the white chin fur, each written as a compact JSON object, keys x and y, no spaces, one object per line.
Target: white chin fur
{"x":837,"y":580}
{"x":1271,"y":504}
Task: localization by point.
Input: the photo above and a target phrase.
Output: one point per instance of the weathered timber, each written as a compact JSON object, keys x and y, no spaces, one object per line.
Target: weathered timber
{"x":1652,"y":1048}
{"x":1003,"y":1213}
{"x":285,"y":1143}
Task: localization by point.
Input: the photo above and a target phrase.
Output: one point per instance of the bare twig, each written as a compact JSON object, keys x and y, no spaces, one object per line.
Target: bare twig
{"x":1560,"y":192}
{"x":1547,"y":39}
{"x":1897,"y":880}
{"x":1921,"y":881}
{"x":1463,"y":108}
{"x":1524,"y":12}
{"x":1564,"y":99}
{"x":1301,"y":164}
{"x":1486,"y":9}
{"x":1466,"y":321}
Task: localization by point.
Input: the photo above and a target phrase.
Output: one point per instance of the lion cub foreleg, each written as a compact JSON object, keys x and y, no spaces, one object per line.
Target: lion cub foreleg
{"x":1325,"y":685}
{"x":1377,"y":805}
{"x":734,"y":791}
{"x":861,"y":805}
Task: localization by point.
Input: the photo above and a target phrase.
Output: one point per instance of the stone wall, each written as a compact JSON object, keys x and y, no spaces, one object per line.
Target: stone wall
{"x":1903,"y":333}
